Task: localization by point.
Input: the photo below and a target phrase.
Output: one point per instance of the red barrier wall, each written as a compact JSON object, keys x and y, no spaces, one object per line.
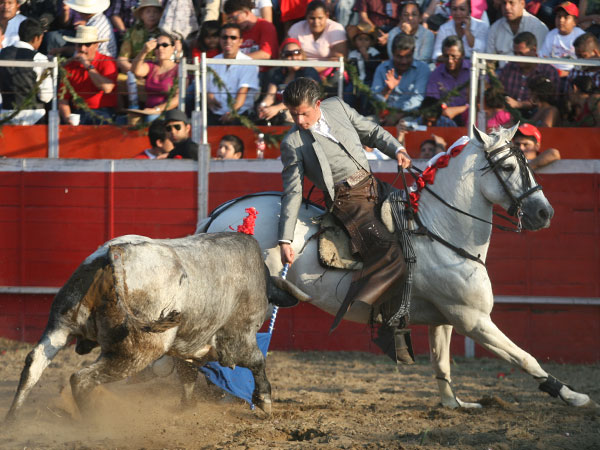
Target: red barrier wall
{"x":54,"y":214}
{"x":111,"y":142}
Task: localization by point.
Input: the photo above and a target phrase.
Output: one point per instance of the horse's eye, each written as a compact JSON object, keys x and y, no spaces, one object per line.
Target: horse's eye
{"x":508,"y":168}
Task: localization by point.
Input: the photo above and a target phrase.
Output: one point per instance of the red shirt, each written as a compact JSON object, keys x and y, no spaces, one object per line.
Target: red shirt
{"x":262,"y":36}
{"x":85,"y":87}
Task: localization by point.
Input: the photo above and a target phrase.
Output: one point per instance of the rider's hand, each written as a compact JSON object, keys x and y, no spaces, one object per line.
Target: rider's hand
{"x":403,"y":159}
{"x":287,"y":253}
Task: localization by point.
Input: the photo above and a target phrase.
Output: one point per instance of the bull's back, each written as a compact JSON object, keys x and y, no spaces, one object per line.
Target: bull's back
{"x":206,"y":277}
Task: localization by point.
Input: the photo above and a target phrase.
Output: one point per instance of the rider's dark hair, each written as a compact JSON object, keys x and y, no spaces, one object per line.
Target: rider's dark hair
{"x":301,"y":90}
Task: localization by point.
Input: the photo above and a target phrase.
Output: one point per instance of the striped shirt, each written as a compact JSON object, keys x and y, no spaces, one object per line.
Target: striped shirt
{"x":105,"y":31}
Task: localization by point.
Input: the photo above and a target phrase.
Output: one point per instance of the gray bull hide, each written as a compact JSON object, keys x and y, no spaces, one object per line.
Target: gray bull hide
{"x":139,"y":299}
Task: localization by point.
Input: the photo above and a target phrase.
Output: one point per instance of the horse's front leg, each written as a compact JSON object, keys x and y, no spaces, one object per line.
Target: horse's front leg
{"x":487,"y":334}
{"x":439,"y":351}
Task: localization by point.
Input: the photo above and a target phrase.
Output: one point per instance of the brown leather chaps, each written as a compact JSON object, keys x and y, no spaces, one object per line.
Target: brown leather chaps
{"x":383,"y":263}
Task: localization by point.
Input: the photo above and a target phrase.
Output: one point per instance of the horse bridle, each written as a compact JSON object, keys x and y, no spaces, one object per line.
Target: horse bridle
{"x":515,"y":208}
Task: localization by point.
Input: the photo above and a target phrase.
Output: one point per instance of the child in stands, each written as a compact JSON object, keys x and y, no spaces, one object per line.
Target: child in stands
{"x":230,"y":147}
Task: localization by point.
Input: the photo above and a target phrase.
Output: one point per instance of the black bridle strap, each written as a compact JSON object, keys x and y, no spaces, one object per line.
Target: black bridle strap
{"x":458,"y":250}
{"x":423,"y":230}
{"x":454,"y":208}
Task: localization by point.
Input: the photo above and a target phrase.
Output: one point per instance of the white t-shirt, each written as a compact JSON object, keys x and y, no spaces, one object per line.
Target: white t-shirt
{"x":558,"y":45}
{"x":259,"y":5}
{"x":234,"y":78}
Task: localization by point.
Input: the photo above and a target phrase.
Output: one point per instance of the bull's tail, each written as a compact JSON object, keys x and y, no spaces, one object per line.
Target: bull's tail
{"x":36,"y":361}
{"x":283,"y":293}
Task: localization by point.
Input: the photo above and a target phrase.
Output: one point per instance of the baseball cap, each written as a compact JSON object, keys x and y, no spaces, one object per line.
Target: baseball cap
{"x":569,"y":7}
{"x":529,"y":130}
{"x":176,"y":115}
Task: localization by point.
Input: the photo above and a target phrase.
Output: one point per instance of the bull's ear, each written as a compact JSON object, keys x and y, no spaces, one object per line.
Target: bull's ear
{"x":486,"y":140}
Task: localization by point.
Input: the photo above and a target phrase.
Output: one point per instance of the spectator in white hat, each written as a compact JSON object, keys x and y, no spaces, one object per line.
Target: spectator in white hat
{"x":84,"y":12}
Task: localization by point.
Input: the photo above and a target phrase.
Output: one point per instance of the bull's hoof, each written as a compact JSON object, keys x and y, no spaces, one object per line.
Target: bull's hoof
{"x":264,"y":404}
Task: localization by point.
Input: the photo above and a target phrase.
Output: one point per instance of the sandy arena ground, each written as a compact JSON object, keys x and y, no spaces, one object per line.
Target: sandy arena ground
{"x":320,"y":401}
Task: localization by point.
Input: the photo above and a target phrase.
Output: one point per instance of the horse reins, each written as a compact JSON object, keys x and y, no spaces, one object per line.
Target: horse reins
{"x":513,"y":210}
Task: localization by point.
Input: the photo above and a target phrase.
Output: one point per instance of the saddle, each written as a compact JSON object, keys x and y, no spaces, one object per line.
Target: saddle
{"x":334,"y":242}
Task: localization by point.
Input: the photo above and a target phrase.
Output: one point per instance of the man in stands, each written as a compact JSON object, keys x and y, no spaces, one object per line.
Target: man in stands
{"x":515,"y":20}
{"x":402,"y":81}
{"x":161,"y":145}
{"x":529,"y":139}
{"x":10,"y":18}
{"x":240,"y":82}
{"x":179,"y":132}
{"x":93,"y":77}
{"x":586,"y":47}
{"x":515,"y":75}
{"x":17,"y":83}
{"x":259,"y":36}
{"x":84,"y":12}
{"x":454,"y":73}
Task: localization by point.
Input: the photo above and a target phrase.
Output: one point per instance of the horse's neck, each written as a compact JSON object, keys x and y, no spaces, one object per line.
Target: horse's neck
{"x":458,"y":185}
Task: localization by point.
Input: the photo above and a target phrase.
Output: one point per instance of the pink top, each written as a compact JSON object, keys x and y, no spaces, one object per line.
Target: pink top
{"x":500,"y":118}
{"x":158,"y":85}
{"x":333,"y":33}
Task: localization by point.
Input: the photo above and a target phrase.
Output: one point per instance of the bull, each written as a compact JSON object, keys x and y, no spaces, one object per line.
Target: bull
{"x":198,"y":298}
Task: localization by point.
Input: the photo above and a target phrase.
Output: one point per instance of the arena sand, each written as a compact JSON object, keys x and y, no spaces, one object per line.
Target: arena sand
{"x":321,"y":400}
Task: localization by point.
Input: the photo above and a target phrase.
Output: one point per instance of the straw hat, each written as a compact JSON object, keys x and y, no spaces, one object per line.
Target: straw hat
{"x":88,"y":6}
{"x":361,"y":28}
{"x":145,"y":3}
{"x":85,"y":35}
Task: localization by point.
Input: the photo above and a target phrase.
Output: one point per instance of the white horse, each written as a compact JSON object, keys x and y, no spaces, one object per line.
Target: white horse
{"x":448,"y":290}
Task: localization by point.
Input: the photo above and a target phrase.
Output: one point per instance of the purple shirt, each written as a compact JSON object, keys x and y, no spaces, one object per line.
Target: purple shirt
{"x":440,"y":82}
{"x":515,"y":81}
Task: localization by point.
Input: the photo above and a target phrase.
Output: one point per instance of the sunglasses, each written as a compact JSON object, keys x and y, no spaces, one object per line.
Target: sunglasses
{"x":177,"y":126}
{"x":164,"y":44}
{"x":289,"y":53}
{"x":228,"y":37}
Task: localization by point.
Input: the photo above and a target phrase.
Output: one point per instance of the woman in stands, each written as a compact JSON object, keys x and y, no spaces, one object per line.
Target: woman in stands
{"x":271,"y":109}
{"x":158,"y":75}
{"x":543,"y":97}
{"x":320,"y":37}
{"x":583,"y":103}
{"x":410,"y":23}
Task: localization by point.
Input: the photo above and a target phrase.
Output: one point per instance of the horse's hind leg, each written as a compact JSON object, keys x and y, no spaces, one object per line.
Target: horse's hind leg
{"x":37,"y":360}
{"x":439,"y":351}
{"x":487,"y":334}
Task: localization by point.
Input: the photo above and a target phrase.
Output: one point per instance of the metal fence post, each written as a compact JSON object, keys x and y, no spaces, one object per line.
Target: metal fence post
{"x":203,"y":172}
{"x":341,"y":78}
{"x":53,"y":117}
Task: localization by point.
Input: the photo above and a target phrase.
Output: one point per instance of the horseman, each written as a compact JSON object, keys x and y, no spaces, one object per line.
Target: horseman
{"x":326,"y":145}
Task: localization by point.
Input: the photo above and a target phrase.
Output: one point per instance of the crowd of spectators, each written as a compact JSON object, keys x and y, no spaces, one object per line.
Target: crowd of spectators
{"x":413,"y":56}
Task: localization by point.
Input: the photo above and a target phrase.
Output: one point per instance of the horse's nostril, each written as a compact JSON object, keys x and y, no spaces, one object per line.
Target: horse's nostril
{"x":543,"y":214}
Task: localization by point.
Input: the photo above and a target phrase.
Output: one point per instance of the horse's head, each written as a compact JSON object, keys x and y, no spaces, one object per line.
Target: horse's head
{"x":510,"y":183}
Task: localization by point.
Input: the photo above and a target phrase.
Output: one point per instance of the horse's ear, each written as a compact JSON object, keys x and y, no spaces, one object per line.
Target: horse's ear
{"x":486,"y":140}
{"x":512,"y":131}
